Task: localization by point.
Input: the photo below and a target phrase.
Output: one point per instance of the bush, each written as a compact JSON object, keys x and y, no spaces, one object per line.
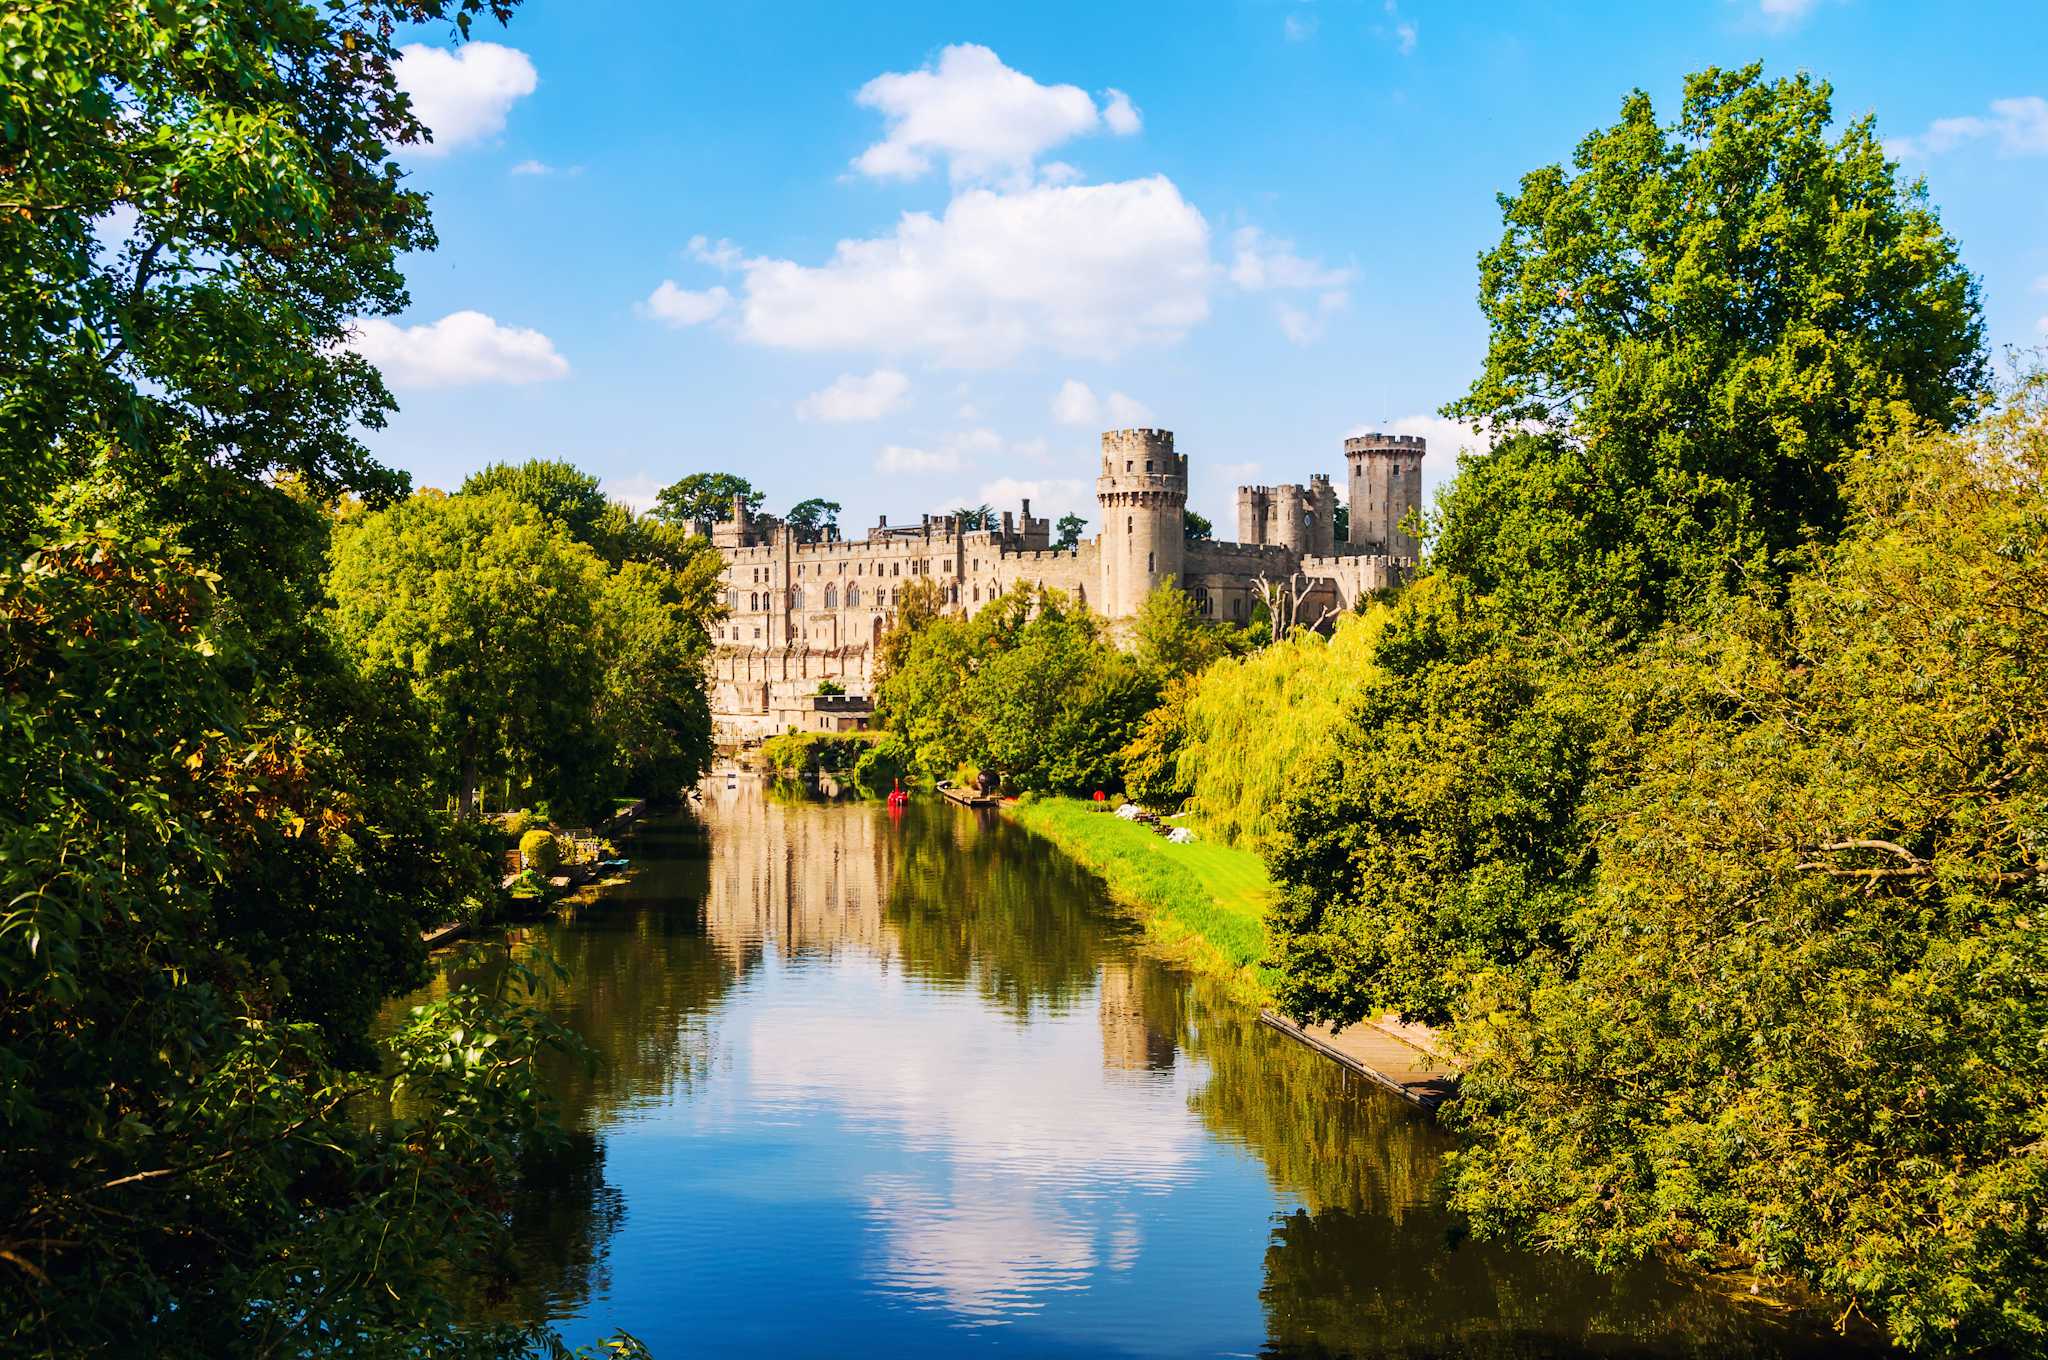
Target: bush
{"x":517,"y":824}
{"x":540,"y":852}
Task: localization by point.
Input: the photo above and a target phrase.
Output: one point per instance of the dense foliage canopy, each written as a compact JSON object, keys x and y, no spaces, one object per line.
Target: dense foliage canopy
{"x":218,"y":843}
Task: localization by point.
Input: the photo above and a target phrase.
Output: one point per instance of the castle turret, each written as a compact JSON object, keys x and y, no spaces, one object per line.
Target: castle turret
{"x":1386,"y":483}
{"x":1143,"y":491}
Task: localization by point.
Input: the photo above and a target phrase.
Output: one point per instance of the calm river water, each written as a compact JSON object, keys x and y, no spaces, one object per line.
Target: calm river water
{"x":875,"y":1084}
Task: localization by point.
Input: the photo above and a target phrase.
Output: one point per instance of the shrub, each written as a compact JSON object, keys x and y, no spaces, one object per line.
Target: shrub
{"x":540,"y":852}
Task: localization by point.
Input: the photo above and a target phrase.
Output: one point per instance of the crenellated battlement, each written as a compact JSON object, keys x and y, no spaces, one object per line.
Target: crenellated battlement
{"x":1138,"y":443}
{"x":1386,"y":443}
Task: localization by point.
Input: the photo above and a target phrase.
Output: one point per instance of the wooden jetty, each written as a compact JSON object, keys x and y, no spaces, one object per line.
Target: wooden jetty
{"x":1380,"y":1056}
{"x":969,"y":798}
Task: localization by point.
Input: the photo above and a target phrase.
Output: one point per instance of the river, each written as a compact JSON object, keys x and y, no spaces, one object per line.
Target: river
{"x":876,"y":1083}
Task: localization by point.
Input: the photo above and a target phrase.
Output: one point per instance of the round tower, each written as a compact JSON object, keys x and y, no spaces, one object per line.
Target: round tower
{"x":1143,"y":491}
{"x":1385,"y":484}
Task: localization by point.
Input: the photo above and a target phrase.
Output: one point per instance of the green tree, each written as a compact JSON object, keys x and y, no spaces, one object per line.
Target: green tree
{"x":487,"y":613}
{"x":813,"y":519}
{"x":653,"y":706}
{"x":558,"y":490}
{"x":1804,"y":1029}
{"x":972,"y":517}
{"x":213,"y":857}
{"x":1172,"y":638}
{"x":706,"y":496}
{"x":1069,"y":530}
{"x":1195,"y":527}
{"x":1704,"y":320}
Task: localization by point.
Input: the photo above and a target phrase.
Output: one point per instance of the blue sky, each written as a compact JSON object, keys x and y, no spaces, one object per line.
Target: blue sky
{"x":911,"y":256}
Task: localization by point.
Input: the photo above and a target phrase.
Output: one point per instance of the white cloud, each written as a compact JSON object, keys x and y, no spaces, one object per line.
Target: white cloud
{"x":464,"y":95}
{"x":1404,"y":29}
{"x":1088,"y":271}
{"x":2020,"y":125}
{"x":898,"y":458}
{"x":1127,"y":413}
{"x":984,"y":119}
{"x":461,"y":348}
{"x":1300,"y":327}
{"x":1050,"y":497}
{"x":533,"y":168}
{"x":682,"y":307}
{"x":1260,"y":262}
{"x":1782,"y":14}
{"x":1120,"y":114}
{"x":1076,"y":404}
{"x":1300,"y":27}
{"x":952,"y":453}
{"x":854,"y":397}
{"x":639,"y":490}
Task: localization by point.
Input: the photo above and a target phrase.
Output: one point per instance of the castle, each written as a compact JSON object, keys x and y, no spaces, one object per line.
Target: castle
{"x":804,"y":612}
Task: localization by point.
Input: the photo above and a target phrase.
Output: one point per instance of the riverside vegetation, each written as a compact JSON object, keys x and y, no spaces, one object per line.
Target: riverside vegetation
{"x":242,"y":692}
{"x":1696,"y":790}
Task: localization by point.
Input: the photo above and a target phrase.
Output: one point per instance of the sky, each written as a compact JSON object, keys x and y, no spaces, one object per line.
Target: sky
{"x":914,"y":256}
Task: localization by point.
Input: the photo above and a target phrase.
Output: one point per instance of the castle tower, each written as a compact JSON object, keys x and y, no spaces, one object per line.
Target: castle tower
{"x":1386,"y":483}
{"x":1143,"y":491}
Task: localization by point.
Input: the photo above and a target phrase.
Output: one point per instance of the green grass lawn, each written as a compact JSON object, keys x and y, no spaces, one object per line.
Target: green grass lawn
{"x":1206,"y":902}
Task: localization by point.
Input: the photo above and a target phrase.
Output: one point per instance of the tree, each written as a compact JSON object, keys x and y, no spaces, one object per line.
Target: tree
{"x":1171,"y":636}
{"x":1803,"y":1030}
{"x":558,"y":490}
{"x":972,"y":517}
{"x":214,"y":859}
{"x":1701,"y":325}
{"x":706,"y":496}
{"x":486,"y":612}
{"x":1341,"y":523}
{"x":1070,"y":526}
{"x":1195,"y":527}
{"x":653,"y":706}
{"x":813,"y":519}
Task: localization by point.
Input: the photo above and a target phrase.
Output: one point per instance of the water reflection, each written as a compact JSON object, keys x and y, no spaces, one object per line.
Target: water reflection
{"x":875,"y":1083}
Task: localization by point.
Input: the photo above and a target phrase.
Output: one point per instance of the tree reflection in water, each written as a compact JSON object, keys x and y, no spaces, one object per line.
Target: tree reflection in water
{"x":1359,"y":1261}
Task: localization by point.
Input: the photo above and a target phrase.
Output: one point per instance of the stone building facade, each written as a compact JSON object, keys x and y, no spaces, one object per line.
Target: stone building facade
{"x":806,"y":612}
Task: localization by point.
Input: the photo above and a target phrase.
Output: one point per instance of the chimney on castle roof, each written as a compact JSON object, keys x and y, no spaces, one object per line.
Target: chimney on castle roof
{"x":1027,"y":507}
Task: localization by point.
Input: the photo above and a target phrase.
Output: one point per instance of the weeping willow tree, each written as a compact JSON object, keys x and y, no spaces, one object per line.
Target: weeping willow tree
{"x":1226,"y":745}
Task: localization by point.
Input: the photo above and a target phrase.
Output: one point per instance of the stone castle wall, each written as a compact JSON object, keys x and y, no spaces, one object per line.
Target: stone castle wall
{"x":804,"y":612}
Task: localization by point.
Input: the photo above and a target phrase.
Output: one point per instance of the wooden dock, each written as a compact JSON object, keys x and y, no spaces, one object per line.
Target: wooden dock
{"x":1409,"y":1071}
{"x":969,"y":798}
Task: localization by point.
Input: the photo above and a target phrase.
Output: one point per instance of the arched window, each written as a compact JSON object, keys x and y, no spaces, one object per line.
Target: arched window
{"x":878,"y":630}
{"x":895,"y":568}
{"x":953,"y":593}
{"x":852,"y":596}
{"x":754,"y":600}
{"x":831,"y":597}
{"x":796,"y":597}
{"x":977,"y":594}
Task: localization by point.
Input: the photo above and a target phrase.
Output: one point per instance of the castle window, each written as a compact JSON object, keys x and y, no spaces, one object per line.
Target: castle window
{"x":977,"y":594}
{"x":754,"y":602}
{"x":1130,"y":524}
{"x":1237,"y":608}
{"x":852,"y":596}
{"x":1148,"y":465}
{"x":1127,"y":465}
{"x":796,"y":598}
{"x":1151,"y":562}
{"x":831,"y":597}
{"x":895,"y":568}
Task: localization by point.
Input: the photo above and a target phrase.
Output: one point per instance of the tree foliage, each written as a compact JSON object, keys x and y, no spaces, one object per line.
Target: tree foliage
{"x":1030,"y":687}
{"x":559,"y":491}
{"x":813,"y":520}
{"x":1195,"y":527}
{"x":1068,"y":531}
{"x":1804,"y":1024}
{"x":706,"y":496}
{"x":1701,"y":321}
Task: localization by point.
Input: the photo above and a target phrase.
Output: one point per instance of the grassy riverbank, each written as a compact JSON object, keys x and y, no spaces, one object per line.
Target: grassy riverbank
{"x":1204,"y":903}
